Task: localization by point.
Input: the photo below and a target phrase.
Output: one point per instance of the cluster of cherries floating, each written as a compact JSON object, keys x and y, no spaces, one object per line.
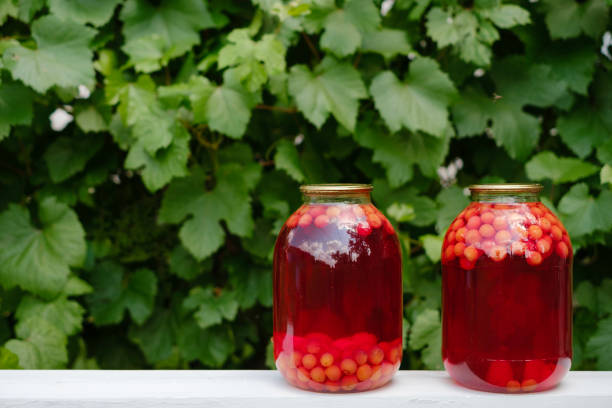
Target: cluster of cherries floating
{"x":526,"y":230}
{"x":364,"y":217}
{"x":356,"y":363}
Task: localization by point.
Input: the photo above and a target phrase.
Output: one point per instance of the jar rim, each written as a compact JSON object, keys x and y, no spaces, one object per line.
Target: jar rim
{"x":335,"y":188}
{"x":506,"y":188}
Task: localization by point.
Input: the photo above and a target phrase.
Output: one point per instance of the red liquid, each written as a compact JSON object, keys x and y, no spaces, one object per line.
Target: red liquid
{"x":337,"y":298}
{"x":507,"y":314}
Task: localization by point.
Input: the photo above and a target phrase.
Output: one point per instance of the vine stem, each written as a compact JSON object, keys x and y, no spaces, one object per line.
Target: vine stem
{"x":311,"y":46}
{"x":277,"y":108}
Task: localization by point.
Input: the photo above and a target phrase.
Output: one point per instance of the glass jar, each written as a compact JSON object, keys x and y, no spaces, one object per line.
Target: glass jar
{"x":507,"y":292}
{"x":337,"y":292}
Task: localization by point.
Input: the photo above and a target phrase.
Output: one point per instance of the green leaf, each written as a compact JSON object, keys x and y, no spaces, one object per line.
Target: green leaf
{"x":573,"y":63}
{"x":386,"y":42}
{"x":568,"y":18}
{"x":38,"y":258}
{"x":156,"y":337}
{"x":334,"y":87}
{"x":114,"y":293}
{"x":600,"y":345}
{"x":211,"y":346}
{"x":177,"y":22}
{"x":546,"y":165}
{"x":90,"y":119}
{"x":62,"y":56}
{"x":159,"y":168}
{"x":426,"y":334}
{"x":399,"y":152}
{"x":511,"y":127}
{"x":345,"y":28}
{"x":67,"y":156}
{"x":41,"y":345}
{"x":255,"y":60}
{"x":450,"y":201}
{"x":419,"y":103}
{"x":606,"y":174}
{"x":507,"y":15}
{"x":147,"y":54}
{"x":230,"y":201}
{"x":583,"y":214}
{"x":424,"y":207}
{"x":8,"y":360}
{"x":401,"y":212}
{"x":84,"y":11}
{"x":64,"y":314}
{"x":211,"y":309}
{"x":251,"y":285}
{"x":151,"y":125}
{"x":287,"y":159}
{"x":447,"y":28}
{"x":183,"y":264}
{"x":432,"y":244}
{"x":28,"y":8}
{"x":15,"y":104}
{"x":7,"y":8}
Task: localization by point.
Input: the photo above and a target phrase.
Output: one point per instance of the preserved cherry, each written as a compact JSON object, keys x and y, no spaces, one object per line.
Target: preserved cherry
{"x":337,"y":293}
{"x":507,"y":290}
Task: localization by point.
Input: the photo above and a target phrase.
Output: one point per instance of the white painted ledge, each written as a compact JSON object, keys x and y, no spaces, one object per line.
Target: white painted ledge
{"x":246,"y":389}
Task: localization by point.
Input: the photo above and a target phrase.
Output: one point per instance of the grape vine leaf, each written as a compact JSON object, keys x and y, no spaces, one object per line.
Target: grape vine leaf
{"x":38,"y":259}
{"x":569,"y":18}
{"x":506,"y":15}
{"x":547,"y":165}
{"x":67,"y":156}
{"x":84,"y":11}
{"x":573,"y":63}
{"x":425,"y":211}
{"x":287,"y":159}
{"x":139,"y":108}
{"x":211,"y":309}
{"x":211,"y":346}
{"x":230,"y":201}
{"x":250,"y":284}
{"x":15,"y":105}
{"x":148,"y":53}
{"x":344,"y":28}
{"x":39,"y":344}
{"x":183,"y":264}
{"x":510,"y":126}
{"x":432,"y":244}
{"x":426,"y":334}
{"x":387,"y":42}
{"x":177,"y":22}
{"x":334,"y":87}
{"x":606,"y":174}
{"x":399,"y":152}
{"x":254,"y":61}
{"x":157,"y":336}
{"x":64,"y":314}
{"x":62,"y":56}
{"x":8,"y":359}
{"x":600,"y":344}
{"x":159,"y":168}
{"x":7,"y":8}
{"x":114,"y":293}
{"x":419,"y":103}
{"x":584,"y":214}
{"x":28,"y":8}
{"x":450,"y":201}
{"x":590,"y":124}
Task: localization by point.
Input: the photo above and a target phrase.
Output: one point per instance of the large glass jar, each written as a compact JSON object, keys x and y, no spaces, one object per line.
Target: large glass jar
{"x":507,"y":292}
{"x":337,"y":292}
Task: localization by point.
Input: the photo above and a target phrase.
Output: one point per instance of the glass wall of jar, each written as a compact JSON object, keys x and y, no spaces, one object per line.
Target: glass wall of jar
{"x":507,"y":292}
{"x":337,"y":292}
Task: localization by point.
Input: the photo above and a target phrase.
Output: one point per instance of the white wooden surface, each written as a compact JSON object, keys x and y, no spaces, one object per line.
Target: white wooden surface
{"x":151,"y":389}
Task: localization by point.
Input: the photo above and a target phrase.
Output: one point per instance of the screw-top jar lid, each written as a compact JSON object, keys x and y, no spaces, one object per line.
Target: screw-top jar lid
{"x":332,"y":189}
{"x":506,"y":188}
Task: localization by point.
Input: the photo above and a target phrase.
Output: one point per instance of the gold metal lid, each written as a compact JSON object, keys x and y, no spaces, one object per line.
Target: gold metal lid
{"x":331,"y":189}
{"x":506,"y":188}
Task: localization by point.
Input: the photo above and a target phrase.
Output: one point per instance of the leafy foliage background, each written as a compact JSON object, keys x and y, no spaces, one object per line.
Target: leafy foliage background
{"x":140,"y":234}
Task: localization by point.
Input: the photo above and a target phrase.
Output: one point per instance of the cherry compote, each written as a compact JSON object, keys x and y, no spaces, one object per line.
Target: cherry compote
{"x":507,"y":290}
{"x":337,"y":293}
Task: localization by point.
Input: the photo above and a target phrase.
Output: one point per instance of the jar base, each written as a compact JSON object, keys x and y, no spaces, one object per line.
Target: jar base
{"x":509,"y":376}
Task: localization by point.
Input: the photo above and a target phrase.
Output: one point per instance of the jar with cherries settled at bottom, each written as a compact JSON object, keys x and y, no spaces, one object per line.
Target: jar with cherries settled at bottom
{"x":337,"y":292}
{"x":507,"y":292}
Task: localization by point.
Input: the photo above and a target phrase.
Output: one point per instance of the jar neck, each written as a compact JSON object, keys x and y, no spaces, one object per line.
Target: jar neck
{"x":496,"y":197}
{"x":340,"y":198}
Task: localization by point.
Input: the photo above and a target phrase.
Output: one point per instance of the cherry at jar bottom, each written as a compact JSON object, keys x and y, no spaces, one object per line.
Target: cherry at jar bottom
{"x":337,"y":298}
